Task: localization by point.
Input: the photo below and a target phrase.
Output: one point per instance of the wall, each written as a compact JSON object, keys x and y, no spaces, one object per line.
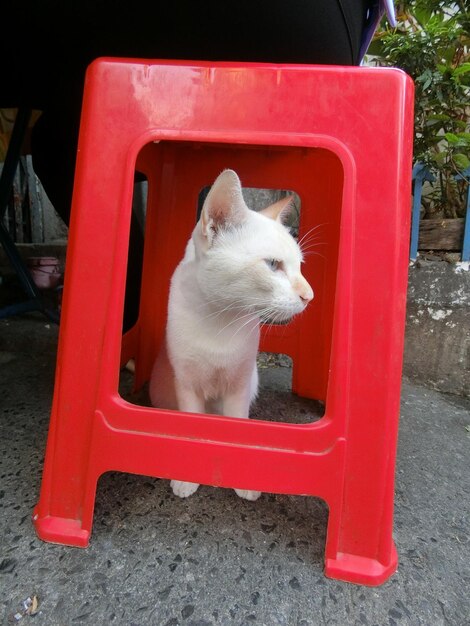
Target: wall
{"x":437,"y":346}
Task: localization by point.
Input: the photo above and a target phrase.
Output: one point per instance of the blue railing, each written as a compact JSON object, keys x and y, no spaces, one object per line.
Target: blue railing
{"x":421,"y":174}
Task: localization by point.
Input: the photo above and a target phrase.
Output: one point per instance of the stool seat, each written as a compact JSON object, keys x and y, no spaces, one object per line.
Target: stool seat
{"x":339,"y":137}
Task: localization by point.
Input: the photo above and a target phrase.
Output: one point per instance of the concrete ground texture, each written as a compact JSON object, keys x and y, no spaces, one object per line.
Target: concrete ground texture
{"x":214,"y":559}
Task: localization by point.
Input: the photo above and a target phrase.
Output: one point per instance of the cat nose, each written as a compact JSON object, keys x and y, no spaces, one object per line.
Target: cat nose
{"x":305,"y":292}
{"x":306,"y":297}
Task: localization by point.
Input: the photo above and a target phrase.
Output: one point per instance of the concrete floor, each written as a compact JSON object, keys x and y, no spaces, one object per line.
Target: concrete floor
{"x":214,"y":559}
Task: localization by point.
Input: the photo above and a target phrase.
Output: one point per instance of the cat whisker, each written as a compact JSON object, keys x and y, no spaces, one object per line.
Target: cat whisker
{"x":311,"y":231}
{"x":234,"y":302}
{"x":315,"y":253}
{"x":312,"y":242}
{"x":268,"y":312}
{"x":237,"y":319}
{"x":306,"y":242}
{"x":309,"y":247}
{"x":233,"y":306}
{"x":215,"y":301}
{"x":259,"y":313}
{"x":308,"y":236}
{"x":253,"y":318}
{"x":315,"y":245}
{"x":230,"y":307}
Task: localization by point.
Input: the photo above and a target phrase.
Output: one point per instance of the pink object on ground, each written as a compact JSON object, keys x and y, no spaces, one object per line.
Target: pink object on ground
{"x":45,"y":271}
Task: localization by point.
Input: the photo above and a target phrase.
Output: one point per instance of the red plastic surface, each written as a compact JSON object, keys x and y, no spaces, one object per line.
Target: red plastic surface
{"x":340,"y":137}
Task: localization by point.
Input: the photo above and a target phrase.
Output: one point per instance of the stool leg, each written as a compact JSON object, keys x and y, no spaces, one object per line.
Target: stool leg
{"x":360,"y":547}
{"x":88,"y":353}
{"x":365,"y":392}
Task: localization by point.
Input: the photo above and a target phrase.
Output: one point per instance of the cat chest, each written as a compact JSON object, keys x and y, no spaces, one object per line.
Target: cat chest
{"x":212,"y":380}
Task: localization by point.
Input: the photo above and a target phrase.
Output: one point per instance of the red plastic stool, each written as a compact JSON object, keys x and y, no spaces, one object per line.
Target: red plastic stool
{"x":342,"y":139}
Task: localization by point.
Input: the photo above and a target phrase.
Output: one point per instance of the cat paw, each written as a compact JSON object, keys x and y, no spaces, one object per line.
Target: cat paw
{"x":183,"y":489}
{"x":246,"y":494}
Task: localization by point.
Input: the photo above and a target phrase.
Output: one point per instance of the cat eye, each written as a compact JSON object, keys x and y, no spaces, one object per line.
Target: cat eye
{"x":273,"y":264}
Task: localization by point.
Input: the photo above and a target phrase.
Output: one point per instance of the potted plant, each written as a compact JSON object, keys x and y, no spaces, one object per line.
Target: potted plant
{"x":432,"y":44}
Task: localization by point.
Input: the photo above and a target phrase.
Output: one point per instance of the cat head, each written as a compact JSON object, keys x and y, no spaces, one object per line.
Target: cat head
{"x":248,"y":261}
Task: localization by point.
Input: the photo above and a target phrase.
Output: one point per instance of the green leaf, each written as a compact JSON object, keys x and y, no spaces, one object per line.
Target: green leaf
{"x":439,"y":158}
{"x":441,"y":117}
{"x":451,"y":138}
{"x":462,"y":161}
{"x":464,"y":137}
{"x":376,"y":48}
{"x":432,"y":122}
{"x":423,"y":15}
{"x":461,"y":69}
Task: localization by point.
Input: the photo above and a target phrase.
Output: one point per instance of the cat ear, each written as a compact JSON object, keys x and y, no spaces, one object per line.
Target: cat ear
{"x":280,"y":210}
{"x":224,"y":206}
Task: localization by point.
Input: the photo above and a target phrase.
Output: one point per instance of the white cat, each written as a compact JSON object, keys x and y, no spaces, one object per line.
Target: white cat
{"x":240,"y":268}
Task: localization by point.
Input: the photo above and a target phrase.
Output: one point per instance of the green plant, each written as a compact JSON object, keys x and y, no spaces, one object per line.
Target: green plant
{"x":432,"y":44}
